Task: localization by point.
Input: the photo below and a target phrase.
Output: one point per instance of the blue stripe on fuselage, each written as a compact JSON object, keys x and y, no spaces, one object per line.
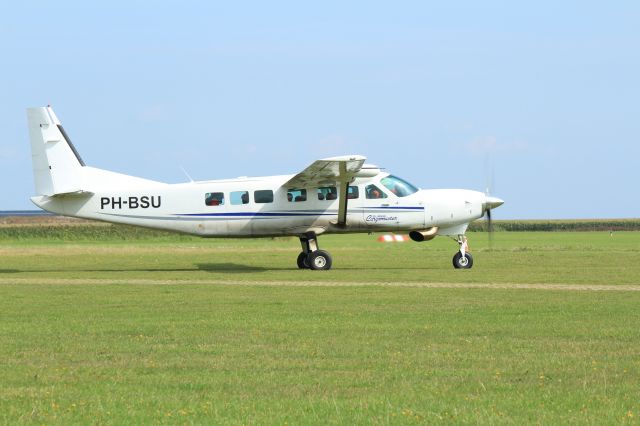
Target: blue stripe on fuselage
{"x":291,"y":213}
{"x":253,"y":214}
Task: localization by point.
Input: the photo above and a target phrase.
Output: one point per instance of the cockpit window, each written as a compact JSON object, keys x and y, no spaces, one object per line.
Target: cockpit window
{"x":398,"y":186}
{"x":373,"y":192}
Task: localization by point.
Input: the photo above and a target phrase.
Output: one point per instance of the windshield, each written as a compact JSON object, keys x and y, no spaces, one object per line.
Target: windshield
{"x":399,"y":187}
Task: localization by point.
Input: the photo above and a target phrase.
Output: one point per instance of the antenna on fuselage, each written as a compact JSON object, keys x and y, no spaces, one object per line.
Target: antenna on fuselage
{"x":187,"y":174}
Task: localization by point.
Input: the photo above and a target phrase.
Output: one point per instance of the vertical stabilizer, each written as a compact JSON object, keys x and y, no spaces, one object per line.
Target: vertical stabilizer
{"x":57,"y":166}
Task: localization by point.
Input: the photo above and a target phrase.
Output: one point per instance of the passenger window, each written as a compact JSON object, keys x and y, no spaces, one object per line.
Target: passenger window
{"x":214,"y":198}
{"x":239,"y":197}
{"x":373,"y":192}
{"x":353,"y":193}
{"x":327,"y":193}
{"x":296,"y":195}
{"x":263,"y":196}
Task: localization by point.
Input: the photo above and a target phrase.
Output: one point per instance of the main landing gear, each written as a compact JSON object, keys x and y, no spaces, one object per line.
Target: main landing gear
{"x":312,"y":257}
{"x":462,"y":259}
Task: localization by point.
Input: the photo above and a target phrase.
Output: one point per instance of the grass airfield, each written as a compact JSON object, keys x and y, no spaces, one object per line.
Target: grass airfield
{"x":544,"y":329}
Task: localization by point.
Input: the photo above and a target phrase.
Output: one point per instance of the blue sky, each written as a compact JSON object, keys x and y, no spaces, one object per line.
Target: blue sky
{"x":544,"y":96}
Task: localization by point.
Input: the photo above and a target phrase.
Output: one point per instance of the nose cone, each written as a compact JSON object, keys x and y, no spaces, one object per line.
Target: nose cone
{"x":492,"y":202}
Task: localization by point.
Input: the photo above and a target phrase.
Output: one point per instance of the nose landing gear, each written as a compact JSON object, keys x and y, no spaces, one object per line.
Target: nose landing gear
{"x":462,"y":259}
{"x":312,"y":257}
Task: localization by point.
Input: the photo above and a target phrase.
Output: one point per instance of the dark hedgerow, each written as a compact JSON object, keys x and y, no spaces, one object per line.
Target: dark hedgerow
{"x":88,"y":232}
{"x":579,"y":225}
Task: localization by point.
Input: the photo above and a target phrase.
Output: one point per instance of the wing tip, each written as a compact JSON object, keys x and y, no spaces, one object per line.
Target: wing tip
{"x":346,"y":158}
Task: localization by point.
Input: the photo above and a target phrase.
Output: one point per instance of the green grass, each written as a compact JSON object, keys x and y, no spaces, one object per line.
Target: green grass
{"x":573,"y":258}
{"x":180,"y":330}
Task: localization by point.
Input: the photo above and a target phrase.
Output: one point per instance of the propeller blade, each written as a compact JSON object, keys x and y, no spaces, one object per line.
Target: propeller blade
{"x":489,"y":228}
{"x":490,"y":202}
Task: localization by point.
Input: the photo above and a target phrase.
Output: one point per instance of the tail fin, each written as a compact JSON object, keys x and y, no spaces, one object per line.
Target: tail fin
{"x":57,"y":166}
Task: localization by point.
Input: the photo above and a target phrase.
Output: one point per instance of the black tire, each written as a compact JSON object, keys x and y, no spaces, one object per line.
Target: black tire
{"x":460,"y":262}
{"x":302,"y":261}
{"x":319,"y":260}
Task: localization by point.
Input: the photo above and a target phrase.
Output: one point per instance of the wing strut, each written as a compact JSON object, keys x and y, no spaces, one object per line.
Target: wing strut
{"x":343,"y":198}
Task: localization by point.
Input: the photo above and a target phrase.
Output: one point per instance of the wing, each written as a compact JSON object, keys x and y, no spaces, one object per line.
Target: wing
{"x":338,"y":171}
{"x":328,"y":171}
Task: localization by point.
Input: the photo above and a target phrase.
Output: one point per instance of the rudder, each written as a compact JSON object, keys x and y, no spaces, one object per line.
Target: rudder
{"x":57,"y":166}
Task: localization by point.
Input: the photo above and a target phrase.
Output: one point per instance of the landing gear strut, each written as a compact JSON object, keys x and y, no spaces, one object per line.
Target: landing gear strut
{"x":462,"y":259}
{"x":312,"y":257}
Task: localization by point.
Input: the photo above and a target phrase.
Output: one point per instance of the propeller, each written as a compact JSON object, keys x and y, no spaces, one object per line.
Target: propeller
{"x":490,"y":202}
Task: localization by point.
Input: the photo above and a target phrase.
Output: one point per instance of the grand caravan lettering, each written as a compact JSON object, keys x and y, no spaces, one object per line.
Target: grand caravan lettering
{"x":143,"y":202}
{"x":375,"y":218}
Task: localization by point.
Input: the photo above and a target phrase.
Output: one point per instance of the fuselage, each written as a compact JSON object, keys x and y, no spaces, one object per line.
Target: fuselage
{"x":254,"y":207}
{"x":332,"y":195}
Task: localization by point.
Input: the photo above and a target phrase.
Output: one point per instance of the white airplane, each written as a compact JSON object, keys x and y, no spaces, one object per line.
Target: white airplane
{"x":333,"y":195}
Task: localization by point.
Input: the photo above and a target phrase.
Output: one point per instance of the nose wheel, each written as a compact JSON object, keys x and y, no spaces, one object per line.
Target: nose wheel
{"x":462,"y":262}
{"x":463,"y":259}
{"x":311,"y":256}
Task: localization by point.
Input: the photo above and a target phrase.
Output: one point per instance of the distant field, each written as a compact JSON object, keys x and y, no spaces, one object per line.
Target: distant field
{"x":30,"y":226}
{"x":126,"y":327}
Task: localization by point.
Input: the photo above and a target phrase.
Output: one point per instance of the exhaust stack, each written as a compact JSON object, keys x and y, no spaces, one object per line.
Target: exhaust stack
{"x":426,"y":235}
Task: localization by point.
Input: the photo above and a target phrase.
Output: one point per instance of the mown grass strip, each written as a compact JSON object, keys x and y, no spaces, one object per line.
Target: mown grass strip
{"x":502,"y":286}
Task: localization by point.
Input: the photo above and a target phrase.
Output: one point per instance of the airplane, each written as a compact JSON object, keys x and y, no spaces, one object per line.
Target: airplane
{"x":332,"y":195}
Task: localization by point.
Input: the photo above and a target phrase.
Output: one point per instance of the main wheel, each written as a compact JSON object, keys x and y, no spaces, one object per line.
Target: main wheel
{"x":319,"y":260}
{"x":302,"y":261}
{"x":460,"y":262}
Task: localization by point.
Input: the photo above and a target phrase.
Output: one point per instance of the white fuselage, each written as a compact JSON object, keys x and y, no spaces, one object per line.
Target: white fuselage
{"x":332,"y":195}
{"x":184,"y":208}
